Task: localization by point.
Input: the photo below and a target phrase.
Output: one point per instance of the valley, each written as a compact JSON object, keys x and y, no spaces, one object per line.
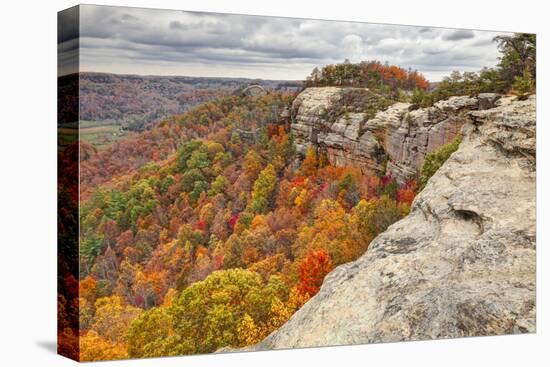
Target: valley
{"x":364,"y":204}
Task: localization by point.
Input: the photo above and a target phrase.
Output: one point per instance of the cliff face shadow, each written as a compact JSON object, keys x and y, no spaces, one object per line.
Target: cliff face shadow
{"x":48,"y":345}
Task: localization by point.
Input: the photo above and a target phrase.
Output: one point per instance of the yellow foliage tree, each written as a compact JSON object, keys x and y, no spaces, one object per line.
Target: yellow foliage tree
{"x":330,"y":231}
{"x":310,"y":163}
{"x":248,"y":332}
{"x":302,"y":201}
{"x":85,"y":313}
{"x":252,"y":163}
{"x":95,"y":348}
{"x":258,"y":221}
{"x":280,"y":313}
{"x":113,"y":318}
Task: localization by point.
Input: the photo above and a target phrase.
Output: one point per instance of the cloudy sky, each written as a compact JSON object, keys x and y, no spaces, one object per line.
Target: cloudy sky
{"x":170,"y":42}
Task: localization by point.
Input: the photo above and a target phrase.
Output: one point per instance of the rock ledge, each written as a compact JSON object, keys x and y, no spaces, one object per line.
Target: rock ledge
{"x":462,"y":263}
{"x":335,"y":121}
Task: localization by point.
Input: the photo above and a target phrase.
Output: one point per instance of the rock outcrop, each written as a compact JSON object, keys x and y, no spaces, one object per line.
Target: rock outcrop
{"x":462,"y":263}
{"x":336,"y":121}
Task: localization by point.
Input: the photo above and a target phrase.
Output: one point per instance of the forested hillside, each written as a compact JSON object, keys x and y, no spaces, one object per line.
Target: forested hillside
{"x":187,"y":216}
{"x":112,"y":107}
{"x":134,"y":101}
{"x":209,"y":229}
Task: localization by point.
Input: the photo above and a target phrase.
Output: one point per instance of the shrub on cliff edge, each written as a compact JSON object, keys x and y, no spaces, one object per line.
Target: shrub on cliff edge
{"x":434,"y":160}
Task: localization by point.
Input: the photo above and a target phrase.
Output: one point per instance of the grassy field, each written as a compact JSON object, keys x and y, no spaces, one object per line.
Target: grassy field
{"x":99,"y":134}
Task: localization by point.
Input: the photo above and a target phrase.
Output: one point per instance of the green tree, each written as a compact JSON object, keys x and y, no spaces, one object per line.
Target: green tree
{"x":490,"y":80}
{"x":519,"y":54}
{"x":91,"y":246}
{"x":198,"y":188}
{"x":263,"y":189}
{"x":421,"y":98}
{"x":374,"y":216}
{"x":207,"y":315}
{"x":434,"y":160}
{"x":199,"y":159}
{"x":218,"y":186}
{"x":189,"y":178}
{"x":142,"y":200}
{"x":523,"y":86}
{"x":185,"y":151}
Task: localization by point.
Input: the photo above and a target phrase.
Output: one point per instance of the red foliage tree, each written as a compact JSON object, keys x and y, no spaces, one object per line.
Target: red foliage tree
{"x":312,"y":270}
{"x":202,"y":225}
{"x":407,"y":193}
{"x":233,"y":221}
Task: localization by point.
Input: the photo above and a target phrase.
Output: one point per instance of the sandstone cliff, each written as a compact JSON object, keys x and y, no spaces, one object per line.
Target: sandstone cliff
{"x":461,"y":263}
{"x":336,"y":121}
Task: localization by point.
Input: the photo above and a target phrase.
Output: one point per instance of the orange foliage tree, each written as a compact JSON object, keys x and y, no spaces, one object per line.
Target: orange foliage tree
{"x":312,"y":270}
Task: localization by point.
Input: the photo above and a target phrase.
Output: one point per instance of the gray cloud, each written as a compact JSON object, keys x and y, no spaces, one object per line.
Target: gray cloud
{"x":146,"y":41}
{"x":459,"y":35}
{"x":176,"y":24}
{"x":128,"y":17}
{"x":67,"y":24}
{"x":68,"y":41}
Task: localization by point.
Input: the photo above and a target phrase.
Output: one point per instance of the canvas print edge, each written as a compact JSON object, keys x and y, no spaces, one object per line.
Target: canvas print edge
{"x":465,"y":276}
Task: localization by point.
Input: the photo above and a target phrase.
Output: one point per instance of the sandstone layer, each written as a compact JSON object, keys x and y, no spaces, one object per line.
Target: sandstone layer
{"x":335,"y":121}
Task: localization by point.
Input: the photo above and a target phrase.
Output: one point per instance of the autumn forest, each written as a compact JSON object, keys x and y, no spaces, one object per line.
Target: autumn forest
{"x":204,"y":229}
{"x":217,"y":239}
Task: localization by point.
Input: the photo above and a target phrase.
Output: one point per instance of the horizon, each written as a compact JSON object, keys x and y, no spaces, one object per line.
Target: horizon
{"x":197,"y":76}
{"x":155,"y":42}
{"x":181,"y":76}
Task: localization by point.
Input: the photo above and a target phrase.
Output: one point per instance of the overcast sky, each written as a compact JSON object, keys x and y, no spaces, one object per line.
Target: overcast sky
{"x":170,"y":42}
